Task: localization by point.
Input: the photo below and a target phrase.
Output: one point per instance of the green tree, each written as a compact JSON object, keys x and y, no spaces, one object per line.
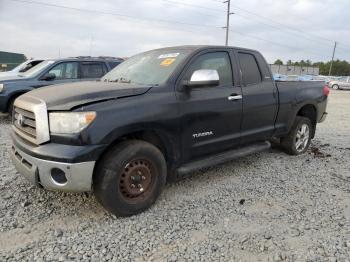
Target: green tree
{"x":278,"y":62}
{"x":339,"y":68}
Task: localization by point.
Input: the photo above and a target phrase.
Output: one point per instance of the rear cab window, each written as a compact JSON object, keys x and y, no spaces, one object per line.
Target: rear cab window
{"x":251,"y":73}
{"x":113,"y":64}
{"x":92,"y":69}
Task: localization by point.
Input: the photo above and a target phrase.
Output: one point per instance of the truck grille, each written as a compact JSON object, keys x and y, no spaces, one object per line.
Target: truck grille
{"x":30,"y":119}
{"x":25,"y":121}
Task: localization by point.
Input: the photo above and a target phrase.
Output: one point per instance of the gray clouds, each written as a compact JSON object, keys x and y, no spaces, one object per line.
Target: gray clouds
{"x":40,"y":31}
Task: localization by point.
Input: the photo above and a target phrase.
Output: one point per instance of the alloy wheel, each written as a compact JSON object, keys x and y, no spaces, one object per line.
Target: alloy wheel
{"x":302,"y":137}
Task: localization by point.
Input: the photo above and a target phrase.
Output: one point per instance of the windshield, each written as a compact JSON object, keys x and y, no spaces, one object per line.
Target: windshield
{"x":37,"y":69}
{"x":20,"y":66}
{"x":149,"y":68}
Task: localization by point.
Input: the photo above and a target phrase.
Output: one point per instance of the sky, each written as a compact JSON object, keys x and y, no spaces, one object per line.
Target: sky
{"x":284,"y":29}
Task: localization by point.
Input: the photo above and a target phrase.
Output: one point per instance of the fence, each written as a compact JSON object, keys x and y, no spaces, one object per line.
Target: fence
{"x":294,"y":70}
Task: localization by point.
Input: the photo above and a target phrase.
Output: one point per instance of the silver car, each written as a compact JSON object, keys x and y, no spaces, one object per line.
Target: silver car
{"x":25,"y":66}
{"x":343,"y":83}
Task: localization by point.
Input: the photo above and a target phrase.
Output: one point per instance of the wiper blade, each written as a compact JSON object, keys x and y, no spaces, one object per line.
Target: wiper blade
{"x":119,"y":80}
{"x":124,"y":80}
{"x":110,"y":80}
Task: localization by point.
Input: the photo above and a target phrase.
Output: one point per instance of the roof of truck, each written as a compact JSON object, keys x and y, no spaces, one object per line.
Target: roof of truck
{"x":199,"y":47}
{"x":88,"y":58}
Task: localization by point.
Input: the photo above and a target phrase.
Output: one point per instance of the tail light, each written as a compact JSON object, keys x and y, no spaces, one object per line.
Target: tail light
{"x":326,"y":90}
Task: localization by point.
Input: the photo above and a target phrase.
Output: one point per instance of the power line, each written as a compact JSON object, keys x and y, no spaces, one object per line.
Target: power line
{"x":281,"y":24}
{"x":114,"y":14}
{"x":281,"y":27}
{"x":196,"y":6}
{"x":297,"y":30}
{"x":272,"y":42}
{"x":150,"y":19}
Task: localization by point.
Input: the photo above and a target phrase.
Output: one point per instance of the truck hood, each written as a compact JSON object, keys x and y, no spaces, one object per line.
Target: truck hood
{"x":12,"y":78}
{"x":67,"y":96}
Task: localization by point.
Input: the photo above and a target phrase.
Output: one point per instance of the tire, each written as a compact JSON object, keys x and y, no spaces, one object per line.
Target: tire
{"x":301,"y":132}
{"x":335,"y":87}
{"x":130,"y":177}
{"x":10,"y":107}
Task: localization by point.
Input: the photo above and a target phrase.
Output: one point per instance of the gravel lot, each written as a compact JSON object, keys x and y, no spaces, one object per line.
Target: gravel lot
{"x":265,"y":207}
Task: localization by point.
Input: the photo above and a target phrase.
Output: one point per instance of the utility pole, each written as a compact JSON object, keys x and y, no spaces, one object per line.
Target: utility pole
{"x":330,"y":68}
{"x":228,"y":20}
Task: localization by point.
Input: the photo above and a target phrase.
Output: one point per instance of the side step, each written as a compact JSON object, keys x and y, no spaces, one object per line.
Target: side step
{"x":222,"y":157}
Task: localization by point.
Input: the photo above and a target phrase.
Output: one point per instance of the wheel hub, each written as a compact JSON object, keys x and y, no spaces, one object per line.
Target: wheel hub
{"x":135,"y":179}
{"x":302,"y":137}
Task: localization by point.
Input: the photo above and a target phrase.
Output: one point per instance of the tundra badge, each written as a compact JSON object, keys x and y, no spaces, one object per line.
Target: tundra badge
{"x":209,"y":133}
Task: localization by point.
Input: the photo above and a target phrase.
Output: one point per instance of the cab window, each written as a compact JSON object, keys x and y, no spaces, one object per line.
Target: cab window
{"x":219,"y":61}
{"x":92,"y":70}
{"x":66,"y":70}
{"x":250,"y":70}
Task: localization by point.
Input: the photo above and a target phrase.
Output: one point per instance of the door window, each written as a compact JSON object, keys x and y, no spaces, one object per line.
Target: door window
{"x":219,"y":61}
{"x":250,"y":70}
{"x":113,"y":64}
{"x":92,"y":70}
{"x":67,"y":70}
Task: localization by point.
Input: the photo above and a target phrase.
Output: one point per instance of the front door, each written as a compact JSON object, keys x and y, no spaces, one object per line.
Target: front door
{"x":210,"y":120}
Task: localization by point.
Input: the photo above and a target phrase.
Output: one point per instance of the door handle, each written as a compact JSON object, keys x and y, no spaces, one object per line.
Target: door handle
{"x":234,"y":97}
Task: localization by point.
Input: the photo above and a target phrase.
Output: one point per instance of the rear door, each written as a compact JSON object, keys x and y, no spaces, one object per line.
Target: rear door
{"x":210,"y":121}
{"x":92,"y":70}
{"x":260,"y":101}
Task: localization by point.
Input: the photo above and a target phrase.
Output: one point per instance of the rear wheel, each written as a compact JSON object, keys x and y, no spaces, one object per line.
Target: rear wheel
{"x":130,"y":177}
{"x":299,"y":138}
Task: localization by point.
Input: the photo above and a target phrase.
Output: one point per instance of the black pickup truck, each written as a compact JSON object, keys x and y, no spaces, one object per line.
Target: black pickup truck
{"x":156,"y":117}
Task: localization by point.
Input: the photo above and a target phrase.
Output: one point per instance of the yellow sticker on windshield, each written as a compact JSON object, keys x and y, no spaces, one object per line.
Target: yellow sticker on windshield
{"x":167,"y":62}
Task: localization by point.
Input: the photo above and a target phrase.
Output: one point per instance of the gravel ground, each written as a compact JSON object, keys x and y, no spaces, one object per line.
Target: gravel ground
{"x":265,"y":207}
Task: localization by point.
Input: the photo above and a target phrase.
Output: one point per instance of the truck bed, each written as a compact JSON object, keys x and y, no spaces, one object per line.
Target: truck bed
{"x":293,"y":93}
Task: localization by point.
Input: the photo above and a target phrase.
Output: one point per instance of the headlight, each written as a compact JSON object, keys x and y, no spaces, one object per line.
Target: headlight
{"x":1,"y":87}
{"x":70,"y":122}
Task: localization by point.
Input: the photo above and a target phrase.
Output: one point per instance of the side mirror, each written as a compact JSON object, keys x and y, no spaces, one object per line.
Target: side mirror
{"x":48,"y":77}
{"x":203,"y":77}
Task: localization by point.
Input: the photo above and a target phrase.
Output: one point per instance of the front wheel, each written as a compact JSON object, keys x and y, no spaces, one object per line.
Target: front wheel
{"x":10,"y":107}
{"x":335,"y":87}
{"x":130,"y":177}
{"x":299,"y":138}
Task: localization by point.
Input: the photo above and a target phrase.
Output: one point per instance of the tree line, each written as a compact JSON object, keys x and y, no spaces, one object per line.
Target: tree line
{"x":339,"y":68}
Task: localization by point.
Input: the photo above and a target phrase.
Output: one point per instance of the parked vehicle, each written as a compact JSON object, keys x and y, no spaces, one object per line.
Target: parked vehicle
{"x":325,"y":79}
{"x":306,"y":78}
{"x":343,"y":83}
{"x":279,"y":77}
{"x":157,"y":117}
{"x":292,"y":78}
{"x":50,"y":72}
{"x":25,"y":66}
